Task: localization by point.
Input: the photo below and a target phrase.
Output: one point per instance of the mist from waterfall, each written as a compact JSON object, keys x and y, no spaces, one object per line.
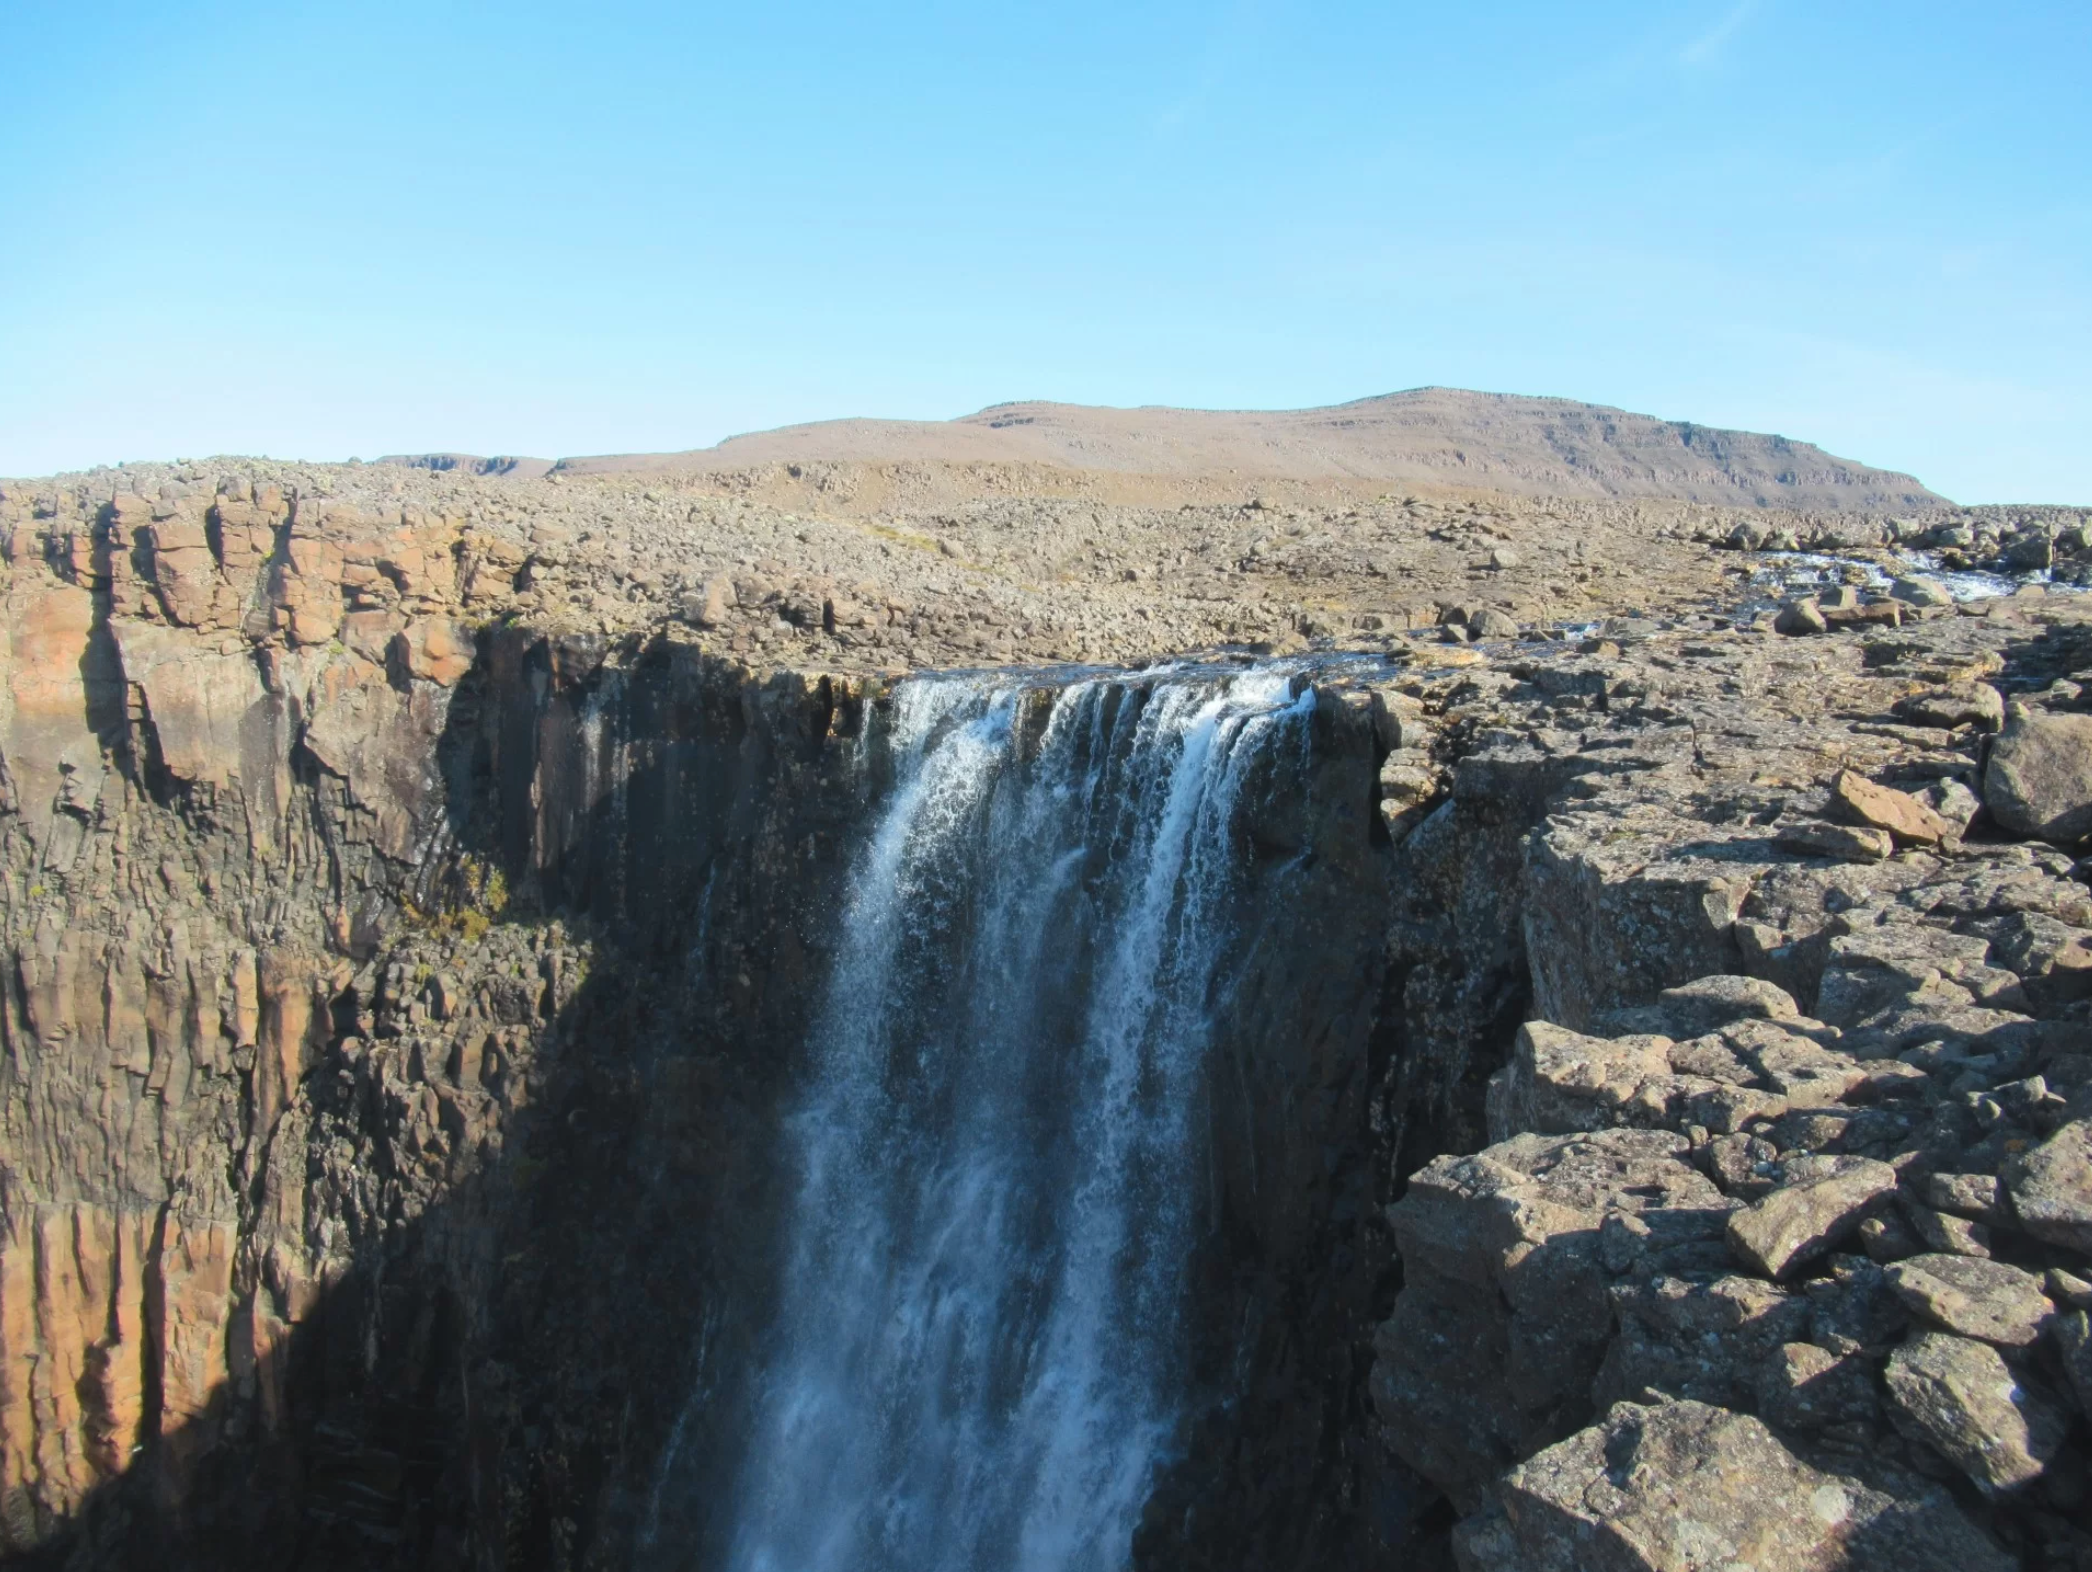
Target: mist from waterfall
{"x":980,"y":1354}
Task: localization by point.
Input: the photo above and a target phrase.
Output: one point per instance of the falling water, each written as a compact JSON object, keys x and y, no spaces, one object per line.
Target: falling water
{"x":980,"y":1357}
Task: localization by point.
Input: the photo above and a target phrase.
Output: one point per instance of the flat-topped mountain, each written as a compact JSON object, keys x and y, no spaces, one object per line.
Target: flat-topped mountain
{"x":1444,"y":437}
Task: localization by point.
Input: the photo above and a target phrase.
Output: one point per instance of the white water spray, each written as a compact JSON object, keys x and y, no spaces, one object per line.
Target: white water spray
{"x":980,"y":1353}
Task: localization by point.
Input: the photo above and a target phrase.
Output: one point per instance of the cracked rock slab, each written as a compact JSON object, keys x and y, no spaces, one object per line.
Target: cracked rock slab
{"x":1685,"y":1487}
{"x":1794,"y":1225}
{"x":1960,"y":1397}
{"x":1976,"y":1298}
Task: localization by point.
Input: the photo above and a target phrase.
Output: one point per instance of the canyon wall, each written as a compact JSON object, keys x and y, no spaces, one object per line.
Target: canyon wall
{"x":400,"y":1004}
{"x":407,"y":989}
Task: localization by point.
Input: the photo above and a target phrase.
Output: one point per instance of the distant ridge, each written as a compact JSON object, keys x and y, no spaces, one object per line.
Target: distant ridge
{"x":1427,"y":436}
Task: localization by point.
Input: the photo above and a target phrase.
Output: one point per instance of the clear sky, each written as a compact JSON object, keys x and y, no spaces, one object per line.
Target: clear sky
{"x":322,"y":230}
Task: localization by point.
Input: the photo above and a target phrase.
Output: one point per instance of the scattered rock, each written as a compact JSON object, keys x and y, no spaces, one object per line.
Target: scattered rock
{"x":1902,"y":815}
{"x":2051,"y":1187}
{"x":1960,"y":1397}
{"x":1920,"y":591}
{"x":1794,"y":1225}
{"x":1976,"y":1298}
{"x":1800,"y":617}
{"x":1975,"y":704}
{"x":1843,"y":842}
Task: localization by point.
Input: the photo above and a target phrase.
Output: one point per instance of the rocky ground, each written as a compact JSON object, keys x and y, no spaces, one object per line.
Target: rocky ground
{"x":849,"y":585}
{"x":1780,"y":1248}
{"x":1730,"y":1149}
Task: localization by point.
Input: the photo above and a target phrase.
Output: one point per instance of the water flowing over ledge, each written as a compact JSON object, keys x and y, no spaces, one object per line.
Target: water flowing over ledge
{"x":980,"y":1358}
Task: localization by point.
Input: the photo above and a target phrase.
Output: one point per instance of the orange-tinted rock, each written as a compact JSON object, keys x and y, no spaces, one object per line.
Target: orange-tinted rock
{"x":1902,"y":815}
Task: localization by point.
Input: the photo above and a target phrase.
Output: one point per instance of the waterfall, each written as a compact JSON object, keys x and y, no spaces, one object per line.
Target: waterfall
{"x":980,"y":1352}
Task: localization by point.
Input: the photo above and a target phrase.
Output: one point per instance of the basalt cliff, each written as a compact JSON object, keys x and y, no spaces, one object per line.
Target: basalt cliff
{"x":598,"y":1021}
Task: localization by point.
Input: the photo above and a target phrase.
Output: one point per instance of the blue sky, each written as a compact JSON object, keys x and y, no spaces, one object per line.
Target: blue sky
{"x":324,"y":230}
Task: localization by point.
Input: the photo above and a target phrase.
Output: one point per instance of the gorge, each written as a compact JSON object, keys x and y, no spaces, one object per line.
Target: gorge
{"x":641,"y":1030}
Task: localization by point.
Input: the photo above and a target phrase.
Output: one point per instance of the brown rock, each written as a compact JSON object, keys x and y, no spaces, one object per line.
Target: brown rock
{"x":1961,"y":1398}
{"x":436,"y":650}
{"x":1976,"y":1298}
{"x":1684,"y":1487}
{"x":1902,"y":815}
{"x":1798,"y":1222}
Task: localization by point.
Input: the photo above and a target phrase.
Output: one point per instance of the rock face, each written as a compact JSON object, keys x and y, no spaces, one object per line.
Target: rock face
{"x":412,"y":916}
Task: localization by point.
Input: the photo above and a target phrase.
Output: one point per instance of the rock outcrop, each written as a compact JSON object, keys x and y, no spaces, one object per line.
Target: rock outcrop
{"x":1793,"y":1131}
{"x":1659,"y":1077}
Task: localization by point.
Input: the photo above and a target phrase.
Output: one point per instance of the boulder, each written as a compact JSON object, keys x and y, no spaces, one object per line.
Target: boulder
{"x":1885,"y":808}
{"x":1689,"y":1337}
{"x":1799,"y":1222}
{"x":2030,"y":551}
{"x":2053,"y":958}
{"x":2039,"y":779}
{"x":1707,"y":1004}
{"x":1493,"y":624}
{"x":1953,"y":802}
{"x":1558,"y":1081}
{"x":1978,"y":1197}
{"x":1976,"y":1298}
{"x":1917,"y":590}
{"x":1686,"y":1487}
{"x":2051,"y":1187}
{"x":1958,"y":1396}
{"x":1802,"y":1387}
{"x":1800,"y":617}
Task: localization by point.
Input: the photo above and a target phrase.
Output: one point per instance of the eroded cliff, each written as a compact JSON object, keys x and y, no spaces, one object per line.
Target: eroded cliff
{"x":405,"y":980}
